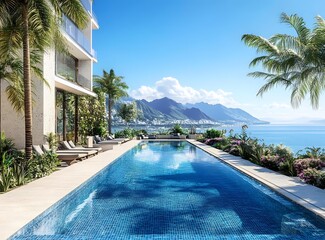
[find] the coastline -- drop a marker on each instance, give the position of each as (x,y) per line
(296,137)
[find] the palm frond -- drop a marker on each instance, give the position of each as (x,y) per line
(261,44)
(285,41)
(15,94)
(299,25)
(73,9)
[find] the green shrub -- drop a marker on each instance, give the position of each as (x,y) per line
(19,169)
(214,133)
(52,140)
(280,150)
(7,145)
(126,133)
(41,166)
(6,176)
(177,128)
(221,143)
(251,150)
(312,152)
(287,167)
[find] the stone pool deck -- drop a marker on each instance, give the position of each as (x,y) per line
(308,196)
(21,205)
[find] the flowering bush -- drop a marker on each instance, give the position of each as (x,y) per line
(213,141)
(275,157)
(234,150)
(313,177)
(272,162)
(302,164)
(235,142)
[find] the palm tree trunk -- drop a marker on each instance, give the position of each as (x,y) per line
(27,85)
(0,120)
(110,102)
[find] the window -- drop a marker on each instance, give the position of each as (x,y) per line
(66,66)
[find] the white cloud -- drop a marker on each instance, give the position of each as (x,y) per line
(170,87)
(276,105)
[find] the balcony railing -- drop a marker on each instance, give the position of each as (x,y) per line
(94,53)
(94,17)
(84,81)
(76,34)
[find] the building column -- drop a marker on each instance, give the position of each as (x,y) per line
(76,118)
(64,118)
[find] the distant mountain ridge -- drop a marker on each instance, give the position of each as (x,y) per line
(168,111)
(177,111)
(221,113)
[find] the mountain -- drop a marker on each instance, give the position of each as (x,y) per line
(176,110)
(220,113)
(168,111)
(145,112)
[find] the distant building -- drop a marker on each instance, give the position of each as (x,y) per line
(68,76)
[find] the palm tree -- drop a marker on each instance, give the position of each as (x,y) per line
(295,62)
(37,27)
(114,87)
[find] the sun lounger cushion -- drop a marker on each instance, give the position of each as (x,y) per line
(71,144)
(38,149)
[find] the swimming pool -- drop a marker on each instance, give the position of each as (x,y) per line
(173,190)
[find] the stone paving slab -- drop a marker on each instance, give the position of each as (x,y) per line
(306,195)
(21,205)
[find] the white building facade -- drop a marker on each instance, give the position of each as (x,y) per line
(67,75)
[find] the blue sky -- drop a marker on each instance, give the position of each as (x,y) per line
(191,50)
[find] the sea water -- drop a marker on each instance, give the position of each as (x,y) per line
(295,137)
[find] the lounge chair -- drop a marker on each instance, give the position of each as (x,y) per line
(68,149)
(68,158)
(100,141)
(142,136)
(73,147)
(85,154)
(123,140)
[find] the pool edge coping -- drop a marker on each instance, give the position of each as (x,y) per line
(250,169)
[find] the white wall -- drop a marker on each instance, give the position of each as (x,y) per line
(13,123)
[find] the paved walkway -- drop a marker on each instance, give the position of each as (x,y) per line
(308,196)
(21,205)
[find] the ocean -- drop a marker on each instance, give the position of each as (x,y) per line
(293,136)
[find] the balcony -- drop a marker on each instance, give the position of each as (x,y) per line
(94,54)
(76,34)
(95,17)
(84,82)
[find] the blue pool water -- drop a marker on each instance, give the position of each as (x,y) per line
(173,190)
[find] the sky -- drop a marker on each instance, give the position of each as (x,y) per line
(191,51)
